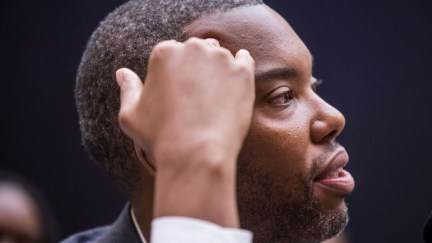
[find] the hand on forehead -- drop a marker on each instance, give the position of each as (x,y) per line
(270,42)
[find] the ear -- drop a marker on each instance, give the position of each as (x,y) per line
(147,163)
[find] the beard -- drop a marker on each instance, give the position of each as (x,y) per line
(277,213)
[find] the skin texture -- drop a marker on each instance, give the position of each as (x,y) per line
(292,134)
(204,153)
(290,137)
(19,220)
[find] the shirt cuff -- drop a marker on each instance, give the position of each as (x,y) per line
(189,230)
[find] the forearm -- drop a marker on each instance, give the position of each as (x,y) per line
(202,187)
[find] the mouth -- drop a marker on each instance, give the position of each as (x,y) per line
(334,178)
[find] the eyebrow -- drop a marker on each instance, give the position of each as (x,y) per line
(277,73)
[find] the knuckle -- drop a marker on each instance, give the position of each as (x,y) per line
(125,118)
(163,49)
(222,53)
(193,40)
(195,43)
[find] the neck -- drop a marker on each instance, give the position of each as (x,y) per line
(142,205)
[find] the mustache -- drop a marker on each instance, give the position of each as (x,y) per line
(319,160)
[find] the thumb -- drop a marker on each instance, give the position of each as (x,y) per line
(130,91)
(130,85)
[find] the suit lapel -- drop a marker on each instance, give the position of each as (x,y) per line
(123,229)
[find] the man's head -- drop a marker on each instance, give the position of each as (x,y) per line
(290,185)
(19,216)
(125,39)
(24,214)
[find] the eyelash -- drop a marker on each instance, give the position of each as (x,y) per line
(316,84)
(286,95)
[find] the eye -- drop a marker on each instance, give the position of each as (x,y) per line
(315,83)
(281,97)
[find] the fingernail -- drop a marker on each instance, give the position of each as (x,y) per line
(242,53)
(213,42)
(120,76)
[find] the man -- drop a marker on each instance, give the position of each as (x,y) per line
(24,213)
(227,129)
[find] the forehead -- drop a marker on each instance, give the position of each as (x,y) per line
(259,29)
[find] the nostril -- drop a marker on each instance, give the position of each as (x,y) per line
(327,126)
(330,136)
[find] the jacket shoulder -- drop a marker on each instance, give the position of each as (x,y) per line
(88,236)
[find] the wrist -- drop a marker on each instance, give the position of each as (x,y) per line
(213,154)
(201,185)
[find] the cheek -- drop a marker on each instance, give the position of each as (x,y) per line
(276,147)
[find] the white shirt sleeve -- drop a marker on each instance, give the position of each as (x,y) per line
(189,230)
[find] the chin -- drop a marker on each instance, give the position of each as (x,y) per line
(281,220)
(328,202)
(289,209)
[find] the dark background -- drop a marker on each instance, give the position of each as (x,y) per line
(374,57)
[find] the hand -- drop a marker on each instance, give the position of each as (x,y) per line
(191,117)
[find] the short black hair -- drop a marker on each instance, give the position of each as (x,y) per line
(125,39)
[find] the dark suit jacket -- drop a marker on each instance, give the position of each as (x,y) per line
(122,230)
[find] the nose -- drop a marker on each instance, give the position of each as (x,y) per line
(327,123)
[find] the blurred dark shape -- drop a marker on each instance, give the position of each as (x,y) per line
(427,233)
(25,216)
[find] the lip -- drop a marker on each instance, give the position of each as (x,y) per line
(341,185)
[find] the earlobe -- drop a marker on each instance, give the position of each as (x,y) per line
(147,163)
